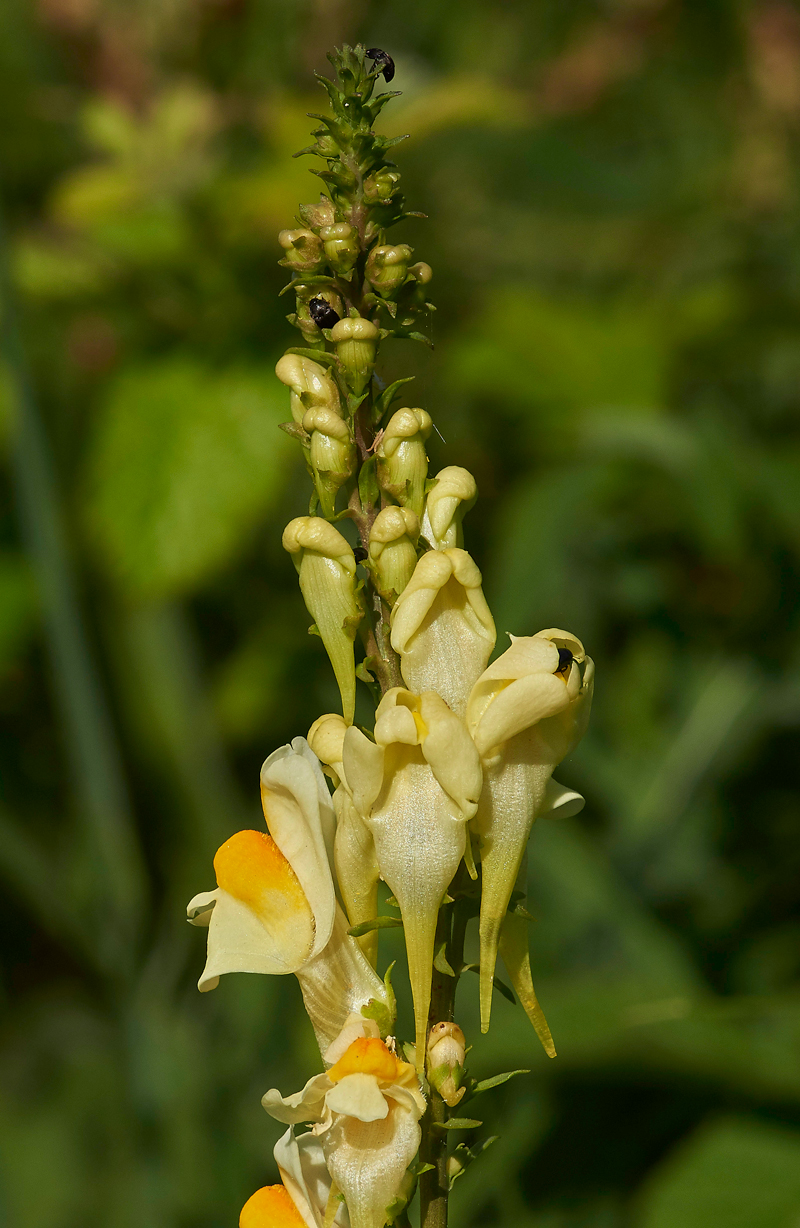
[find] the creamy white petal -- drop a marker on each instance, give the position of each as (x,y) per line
(299,815)
(368,1161)
(442,627)
(358,1095)
(239,942)
(357,869)
(560,802)
(338,983)
(305,1105)
(363,768)
(520,704)
(355,1028)
(199,909)
(450,752)
(301,1163)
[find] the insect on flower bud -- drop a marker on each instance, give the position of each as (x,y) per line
(383,62)
(303,250)
(322,313)
(340,242)
(387,268)
(356,341)
(446,1052)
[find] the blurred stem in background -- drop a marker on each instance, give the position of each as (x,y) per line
(104,806)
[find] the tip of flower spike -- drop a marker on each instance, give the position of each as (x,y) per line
(271,1207)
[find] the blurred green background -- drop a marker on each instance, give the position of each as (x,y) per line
(614,228)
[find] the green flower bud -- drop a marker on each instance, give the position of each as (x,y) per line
(310,383)
(402,459)
(379,186)
(332,453)
(446,1053)
(342,249)
(387,268)
(392,550)
(303,250)
(356,342)
(327,570)
(318,215)
(421,272)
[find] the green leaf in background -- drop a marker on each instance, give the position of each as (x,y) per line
(734,1172)
(184,462)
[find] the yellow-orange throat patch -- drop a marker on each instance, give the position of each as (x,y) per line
(271,1207)
(252,868)
(368,1055)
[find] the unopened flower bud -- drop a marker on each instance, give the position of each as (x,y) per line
(446,1051)
(340,242)
(421,272)
(453,494)
(402,459)
(332,453)
(320,214)
(356,342)
(303,250)
(327,569)
(392,549)
(310,383)
(379,186)
(387,268)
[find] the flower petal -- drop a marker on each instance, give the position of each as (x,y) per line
(451,753)
(356,869)
(355,1028)
(442,627)
(368,1161)
(301,1164)
(358,1095)
(337,983)
(273,1207)
(560,802)
(305,1105)
(199,909)
(516,957)
(299,814)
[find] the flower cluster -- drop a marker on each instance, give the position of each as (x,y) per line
(437,797)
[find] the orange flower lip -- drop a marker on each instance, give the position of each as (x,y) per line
(368,1055)
(271,1207)
(250,864)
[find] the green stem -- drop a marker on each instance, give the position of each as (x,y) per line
(434,1184)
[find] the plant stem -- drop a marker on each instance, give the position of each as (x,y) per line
(434,1184)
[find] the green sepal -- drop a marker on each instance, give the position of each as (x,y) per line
(375,923)
(440,961)
(384,401)
(296,431)
(314,630)
(464,1156)
(384,1013)
(368,489)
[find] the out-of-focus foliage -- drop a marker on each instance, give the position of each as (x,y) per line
(614,227)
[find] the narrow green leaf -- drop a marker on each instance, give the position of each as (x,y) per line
(486,1085)
(387,396)
(458,1123)
(440,961)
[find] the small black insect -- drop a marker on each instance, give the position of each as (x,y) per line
(565,659)
(322,313)
(360,554)
(383,62)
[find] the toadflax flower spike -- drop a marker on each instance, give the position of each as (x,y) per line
(526,712)
(274,909)
(416,787)
(442,627)
(366,1112)
(327,569)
